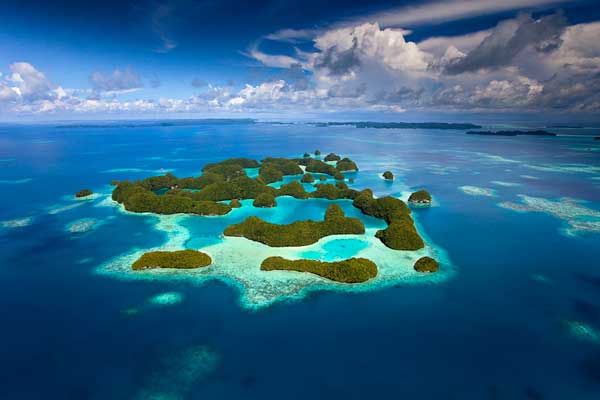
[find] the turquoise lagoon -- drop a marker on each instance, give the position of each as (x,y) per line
(513,313)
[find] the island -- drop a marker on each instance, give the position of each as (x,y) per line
(265,200)
(317,152)
(426,265)
(307,178)
(353,270)
(512,133)
(387,175)
(402,125)
(420,197)
(332,157)
(401,233)
(299,233)
(181,259)
(597,138)
(223,184)
(346,164)
(83,193)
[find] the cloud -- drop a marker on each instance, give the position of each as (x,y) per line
(275,61)
(348,47)
(521,65)
(509,39)
(449,10)
(159,18)
(199,83)
(116,81)
(29,83)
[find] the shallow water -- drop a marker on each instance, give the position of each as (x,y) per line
(515,312)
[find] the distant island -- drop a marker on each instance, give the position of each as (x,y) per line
(597,138)
(512,133)
(401,125)
(157,123)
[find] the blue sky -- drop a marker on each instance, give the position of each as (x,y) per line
(299,59)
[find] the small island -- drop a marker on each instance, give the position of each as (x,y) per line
(346,164)
(317,152)
(426,265)
(332,157)
(401,233)
(83,193)
(307,178)
(235,203)
(181,259)
(420,197)
(265,200)
(512,133)
(387,175)
(299,233)
(353,270)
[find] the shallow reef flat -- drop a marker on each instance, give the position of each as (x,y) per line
(17,222)
(177,371)
(236,261)
(166,299)
(578,217)
(136,170)
(82,225)
(477,191)
(582,331)
(506,184)
(566,168)
(15,181)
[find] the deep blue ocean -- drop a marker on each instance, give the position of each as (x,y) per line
(518,317)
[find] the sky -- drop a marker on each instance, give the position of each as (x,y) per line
(300,59)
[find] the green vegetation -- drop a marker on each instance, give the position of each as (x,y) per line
(353,270)
(182,259)
(346,164)
(388,175)
(420,197)
(317,152)
(114,182)
(401,233)
(333,192)
(136,198)
(322,178)
(426,264)
(323,168)
(332,157)
(294,189)
(299,233)
(308,178)
(269,173)
(264,200)
(273,169)
(285,165)
(235,203)
(84,193)
(306,155)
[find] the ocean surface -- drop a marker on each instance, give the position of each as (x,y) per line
(514,312)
